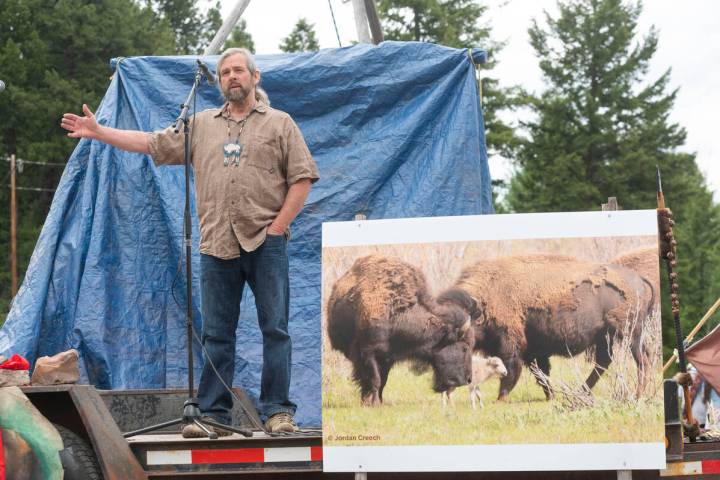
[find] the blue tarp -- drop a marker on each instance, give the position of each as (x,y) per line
(396,130)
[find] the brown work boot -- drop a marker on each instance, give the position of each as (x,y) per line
(191,430)
(281,422)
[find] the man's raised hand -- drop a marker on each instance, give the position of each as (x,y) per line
(87,127)
(80,127)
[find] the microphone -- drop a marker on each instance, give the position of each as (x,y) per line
(2,85)
(206,71)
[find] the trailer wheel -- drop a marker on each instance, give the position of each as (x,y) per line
(78,458)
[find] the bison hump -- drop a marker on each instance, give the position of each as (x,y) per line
(644,262)
(379,288)
(509,287)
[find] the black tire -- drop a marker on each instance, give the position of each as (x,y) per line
(78,458)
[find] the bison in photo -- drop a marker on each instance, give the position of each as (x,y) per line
(534,306)
(645,262)
(380,312)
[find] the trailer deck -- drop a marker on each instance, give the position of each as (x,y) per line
(100,416)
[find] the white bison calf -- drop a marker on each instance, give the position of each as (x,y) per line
(483,368)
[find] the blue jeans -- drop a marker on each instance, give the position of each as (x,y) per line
(221,286)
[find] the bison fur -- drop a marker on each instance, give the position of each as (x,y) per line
(532,307)
(380,313)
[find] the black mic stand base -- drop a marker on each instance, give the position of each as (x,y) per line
(191,414)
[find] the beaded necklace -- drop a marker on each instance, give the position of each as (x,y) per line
(233,150)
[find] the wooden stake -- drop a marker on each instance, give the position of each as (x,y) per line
(665,224)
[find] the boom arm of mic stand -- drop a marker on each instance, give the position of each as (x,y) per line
(185,107)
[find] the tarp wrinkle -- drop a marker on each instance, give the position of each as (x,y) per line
(396,130)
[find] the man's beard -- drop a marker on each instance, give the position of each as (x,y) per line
(237,95)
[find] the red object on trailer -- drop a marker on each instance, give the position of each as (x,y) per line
(16,362)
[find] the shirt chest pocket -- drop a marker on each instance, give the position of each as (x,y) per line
(264,157)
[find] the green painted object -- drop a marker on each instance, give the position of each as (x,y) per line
(19,415)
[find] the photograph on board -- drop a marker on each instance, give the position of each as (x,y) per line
(532,339)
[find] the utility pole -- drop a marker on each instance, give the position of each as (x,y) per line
(374,21)
(366,15)
(226,28)
(361,21)
(13,227)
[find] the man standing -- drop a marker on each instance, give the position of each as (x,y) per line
(253,173)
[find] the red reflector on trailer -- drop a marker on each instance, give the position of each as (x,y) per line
(315,454)
(238,455)
(710,466)
(234,455)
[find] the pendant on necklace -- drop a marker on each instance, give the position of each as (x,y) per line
(231,153)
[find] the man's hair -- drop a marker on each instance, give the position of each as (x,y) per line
(260,94)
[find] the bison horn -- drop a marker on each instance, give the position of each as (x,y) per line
(466,325)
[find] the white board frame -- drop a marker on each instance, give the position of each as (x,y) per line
(519,457)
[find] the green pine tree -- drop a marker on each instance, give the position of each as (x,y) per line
(601,127)
(211,23)
(54,57)
(453,23)
(301,39)
(240,37)
(193,30)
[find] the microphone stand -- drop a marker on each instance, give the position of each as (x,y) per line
(191,407)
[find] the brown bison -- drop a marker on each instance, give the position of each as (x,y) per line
(535,306)
(380,312)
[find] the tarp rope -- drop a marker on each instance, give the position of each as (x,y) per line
(477,74)
(332,14)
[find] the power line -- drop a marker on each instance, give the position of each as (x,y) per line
(34,189)
(30,162)
(19,167)
(332,14)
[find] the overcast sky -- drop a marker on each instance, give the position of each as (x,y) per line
(689,43)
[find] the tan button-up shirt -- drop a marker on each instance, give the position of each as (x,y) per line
(236,204)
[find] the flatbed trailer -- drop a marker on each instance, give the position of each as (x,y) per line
(100,417)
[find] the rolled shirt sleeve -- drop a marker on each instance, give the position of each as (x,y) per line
(300,163)
(167,147)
